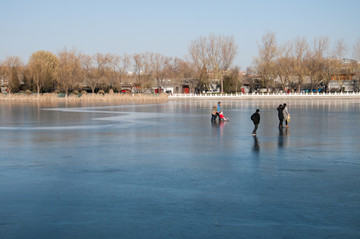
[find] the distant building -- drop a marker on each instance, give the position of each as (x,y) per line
(344,82)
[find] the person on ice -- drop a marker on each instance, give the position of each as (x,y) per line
(280,110)
(256,120)
(222,117)
(219,107)
(286,115)
(214,113)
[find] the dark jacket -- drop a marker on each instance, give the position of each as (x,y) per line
(255,118)
(280,110)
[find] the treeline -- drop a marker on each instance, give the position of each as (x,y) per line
(297,64)
(70,70)
(209,58)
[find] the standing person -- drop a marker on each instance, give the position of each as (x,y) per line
(214,113)
(286,115)
(256,120)
(280,110)
(218,109)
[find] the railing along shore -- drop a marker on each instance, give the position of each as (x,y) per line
(263,95)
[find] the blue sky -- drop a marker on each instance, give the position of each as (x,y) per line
(168,27)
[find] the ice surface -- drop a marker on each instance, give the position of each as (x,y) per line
(165,171)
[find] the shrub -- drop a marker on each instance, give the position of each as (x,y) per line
(83,92)
(101,92)
(56,91)
(75,92)
(28,92)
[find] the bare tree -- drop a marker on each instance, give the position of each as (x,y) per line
(95,68)
(300,49)
(12,68)
(183,69)
(198,51)
(69,69)
(215,54)
(338,54)
(329,71)
(222,51)
(265,63)
(118,69)
(320,54)
(284,64)
(325,60)
(42,67)
(142,70)
(159,67)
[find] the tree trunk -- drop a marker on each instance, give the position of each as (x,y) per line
(37,84)
(38,89)
(222,85)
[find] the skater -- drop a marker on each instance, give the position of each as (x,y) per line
(286,115)
(280,110)
(256,120)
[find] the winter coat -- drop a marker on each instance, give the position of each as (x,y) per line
(214,110)
(285,113)
(255,118)
(280,110)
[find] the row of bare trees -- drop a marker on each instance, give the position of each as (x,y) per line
(210,57)
(70,70)
(297,63)
(289,65)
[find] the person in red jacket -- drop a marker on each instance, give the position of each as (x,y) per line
(222,117)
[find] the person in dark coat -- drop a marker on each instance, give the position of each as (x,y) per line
(280,110)
(256,120)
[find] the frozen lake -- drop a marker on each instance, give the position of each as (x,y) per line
(165,171)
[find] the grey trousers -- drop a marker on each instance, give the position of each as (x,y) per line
(255,128)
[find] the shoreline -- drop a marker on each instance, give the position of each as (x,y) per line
(50,97)
(335,96)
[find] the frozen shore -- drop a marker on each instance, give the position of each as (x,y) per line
(76,98)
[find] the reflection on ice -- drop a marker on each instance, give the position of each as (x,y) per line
(124,119)
(113,168)
(79,127)
(256,146)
